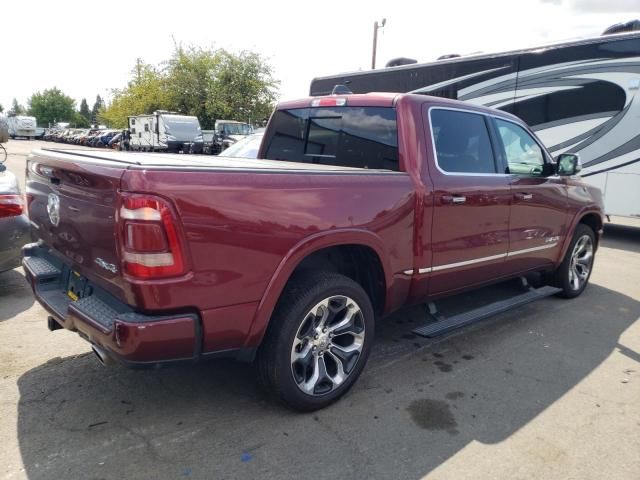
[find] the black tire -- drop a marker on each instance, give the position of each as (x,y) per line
(562,277)
(274,361)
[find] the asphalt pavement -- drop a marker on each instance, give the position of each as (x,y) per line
(548,391)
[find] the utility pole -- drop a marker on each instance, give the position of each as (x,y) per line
(138,69)
(375,41)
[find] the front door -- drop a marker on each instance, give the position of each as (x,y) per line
(539,212)
(470,229)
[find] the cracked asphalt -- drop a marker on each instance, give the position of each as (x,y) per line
(548,391)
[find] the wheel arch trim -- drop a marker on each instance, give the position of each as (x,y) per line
(577,218)
(296,255)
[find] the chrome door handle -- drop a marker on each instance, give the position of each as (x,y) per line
(524,196)
(455,199)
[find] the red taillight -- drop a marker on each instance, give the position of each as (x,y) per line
(151,245)
(329,102)
(11,205)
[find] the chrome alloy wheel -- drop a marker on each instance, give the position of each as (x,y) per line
(581,262)
(327,345)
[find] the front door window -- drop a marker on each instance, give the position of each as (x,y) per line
(524,155)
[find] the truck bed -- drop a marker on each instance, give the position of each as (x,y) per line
(239,218)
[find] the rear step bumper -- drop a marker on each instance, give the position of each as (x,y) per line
(113,328)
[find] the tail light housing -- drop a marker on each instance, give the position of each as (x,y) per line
(150,244)
(11,205)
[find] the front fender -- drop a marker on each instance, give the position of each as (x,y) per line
(293,258)
(587,210)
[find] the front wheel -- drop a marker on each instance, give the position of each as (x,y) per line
(318,340)
(573,273)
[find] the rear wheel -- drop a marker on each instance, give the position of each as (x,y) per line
(318,340)
(573,274)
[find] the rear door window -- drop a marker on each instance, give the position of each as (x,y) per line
(356,137)
(462,142)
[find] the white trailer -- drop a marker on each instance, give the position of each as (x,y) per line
(165,132)
(21,126)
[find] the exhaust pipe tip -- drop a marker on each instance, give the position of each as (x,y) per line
(52,324)
(102,356)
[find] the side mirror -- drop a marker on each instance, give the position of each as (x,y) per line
(2,168)
(568,164)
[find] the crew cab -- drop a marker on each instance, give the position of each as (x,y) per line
(356,206)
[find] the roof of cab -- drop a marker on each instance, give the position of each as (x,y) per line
(459,104)
(386,99)
(353,100)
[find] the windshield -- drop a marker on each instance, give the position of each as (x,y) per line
(182,128)
(246,148)
(237,129)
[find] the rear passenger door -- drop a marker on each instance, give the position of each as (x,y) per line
(470,230)
(539,204)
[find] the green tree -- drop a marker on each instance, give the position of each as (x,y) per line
(244,87)
(210,84)
(1,108)
(215,84)
(145,93)
(80,121)
(84,110)
(97,106)
(51,105)
(16,108)
(189,82)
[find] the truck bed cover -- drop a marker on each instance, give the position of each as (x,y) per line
(176,160)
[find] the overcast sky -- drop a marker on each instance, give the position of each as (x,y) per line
(88,48)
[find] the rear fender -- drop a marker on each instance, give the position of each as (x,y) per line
(293,258)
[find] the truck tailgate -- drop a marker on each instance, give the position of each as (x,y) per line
(72,208)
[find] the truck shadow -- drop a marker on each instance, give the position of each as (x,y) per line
(621,237)
(418,403)
(15,294)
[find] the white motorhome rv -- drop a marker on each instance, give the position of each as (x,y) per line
(21,126)
(581,97)
(165,131)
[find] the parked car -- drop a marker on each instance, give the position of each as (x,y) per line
(247,147)
(14,225)
(356,206)
(103,138)
(225,134)
(114,143)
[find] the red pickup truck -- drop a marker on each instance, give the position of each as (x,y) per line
(357,205)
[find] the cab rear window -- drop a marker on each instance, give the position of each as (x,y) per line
(357,137)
